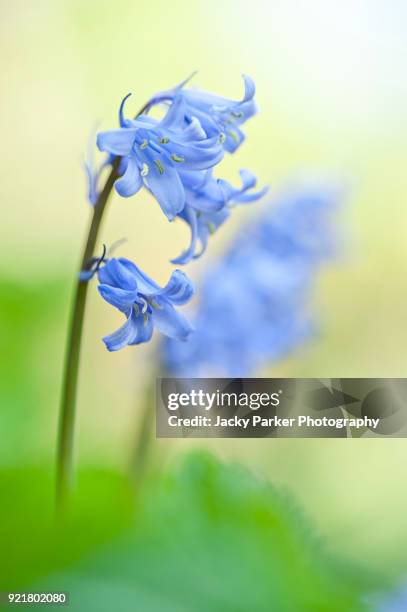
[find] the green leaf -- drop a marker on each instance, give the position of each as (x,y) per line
(34,544)
(30,364)
(211,537)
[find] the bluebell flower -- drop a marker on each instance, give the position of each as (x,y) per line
(217,115)
(92,176)
(145,305)
(208,204)
(255,303)
(159,155)
(153,153)
(93,173)
(395,602)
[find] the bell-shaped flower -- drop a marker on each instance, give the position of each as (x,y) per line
(216,114)
(144,303)
(153,153)
(222,115)
(255,302)
(208,204)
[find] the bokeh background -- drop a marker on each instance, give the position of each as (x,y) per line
(332,93)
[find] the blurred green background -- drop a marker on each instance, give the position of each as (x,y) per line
(333,98)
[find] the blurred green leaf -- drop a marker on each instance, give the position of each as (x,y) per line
(34,543)
(206,537)
(30,361)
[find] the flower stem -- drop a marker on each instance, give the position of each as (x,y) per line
(67,414)
(141,448)
(71,368)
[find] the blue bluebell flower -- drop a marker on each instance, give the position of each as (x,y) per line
(144,303)
(197,128)
(92,176)
(93,173)
(395,602)
(255,303)
(208,205)
(153,153)
(217,115)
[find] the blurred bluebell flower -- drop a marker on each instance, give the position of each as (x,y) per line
(255,303)
(93,172)
(208,204)
(395,602)
(144,303)
(92,176)
(153,153)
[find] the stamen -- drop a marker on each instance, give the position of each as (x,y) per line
(137,309)
(211,227)
(144,144)
(238,115)
(234,135)
(222,137)
(177,158)
(156,305)
(159,166)
(164,140)
(144,170)
(145,319)
(145,306)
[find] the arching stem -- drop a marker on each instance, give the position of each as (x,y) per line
(71,368)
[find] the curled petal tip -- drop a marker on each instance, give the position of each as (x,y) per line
(249,87)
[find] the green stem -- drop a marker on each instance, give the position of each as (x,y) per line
(144,436)
(68,403)
(70,382)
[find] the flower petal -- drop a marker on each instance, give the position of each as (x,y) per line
(179,288)
(208,224)
(145,284)
(123,336)
(210,127)
(175,117)
(189,215)
(171,323)
(119,298)
(119,142)
(166,186)
(249,179)
(199,156)
(131,181)
(233,194)
(193,131)
(249,88)
(116,273)
(144,330)
(234,138)
(251,197)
